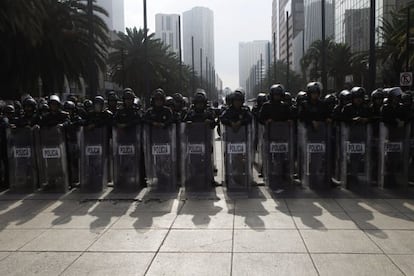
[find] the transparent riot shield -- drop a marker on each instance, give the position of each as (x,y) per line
(278,155)
(411,156)
(74,154)
(237,158)
(94,159)
(196,153)
(258,148)
(355,156)
(21,153)
(315,149)
(127,157)
(394,153)
(53,159)
(375,152)
(160,158)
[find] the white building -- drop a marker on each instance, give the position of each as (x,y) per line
(116,14)
(254,59)
(167,29)
(198,23)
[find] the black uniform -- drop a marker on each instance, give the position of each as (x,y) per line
(276,111)
(161,114)
(127,116)
(351,111)
(54,118)
(313,111)
(200,116)
(233,115)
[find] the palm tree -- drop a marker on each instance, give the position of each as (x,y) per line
(54,47)
(127,63)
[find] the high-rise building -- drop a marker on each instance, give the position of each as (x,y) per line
(352,20)
(167,29)
(291,12)
(116,15)
(198,24)
(313,21)
(254,59)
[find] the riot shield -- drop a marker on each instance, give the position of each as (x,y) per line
(278,155)
(355,156)
(258,145)
(375,152)
(411,156)
(53,159)
(237,158)
(161,158)
(394,153)
(127,157)
(94,159)
(315,149)
(21,153)
(74,153)
(196,153)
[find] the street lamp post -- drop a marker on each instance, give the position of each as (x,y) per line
(324,76)
(146,73)
(372,59)
(91,63)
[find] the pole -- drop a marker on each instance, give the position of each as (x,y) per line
(287,51)
(201,67)
(324,76)
(192,64)
(146,73)
(372,59)
(92,71)
(407,65)
(123,66)
(207,74)
(261,72)
(180,54)
(274,57)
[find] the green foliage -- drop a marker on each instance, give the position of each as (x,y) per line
(127,64)
(47,41)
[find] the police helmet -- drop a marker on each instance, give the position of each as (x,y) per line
(358,92)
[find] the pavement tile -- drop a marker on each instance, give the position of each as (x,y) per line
(207,206)
(259,220)
(374,221)
(402,205)
(260,205)
(323,221)
(204,220)
(198,240)
(272,264)
(88,221)
(154,220)
(36,263)
(354,264)
(393,241)
(23,207)
(191,264)
(365,205)
(13,239)
(167,206)
(283,241)
(110,264)
(35,221)
(129,240)
(3,255)
(338,241)
(62,207)
(313,205)
(62,240)
(404,262)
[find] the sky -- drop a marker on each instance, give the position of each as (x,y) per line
(234,21)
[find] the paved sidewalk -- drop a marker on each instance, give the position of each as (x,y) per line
(76,234)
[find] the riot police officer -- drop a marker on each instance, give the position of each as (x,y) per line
(7,120)
(275,110)
(314,110)
(237,114)
(158,114)
(260,100)
(55,116)
(128,115)
(393,112)
(357,111)
(113,101)
(30,117)
(199,111)
(377,100)
(344,98)
(99,117)
(179,106)
(331,101)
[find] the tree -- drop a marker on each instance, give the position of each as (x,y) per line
(296,82)
(338,62)
(127,64)
(392,52)
(53,48)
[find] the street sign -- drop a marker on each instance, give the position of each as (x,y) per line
(406,79)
